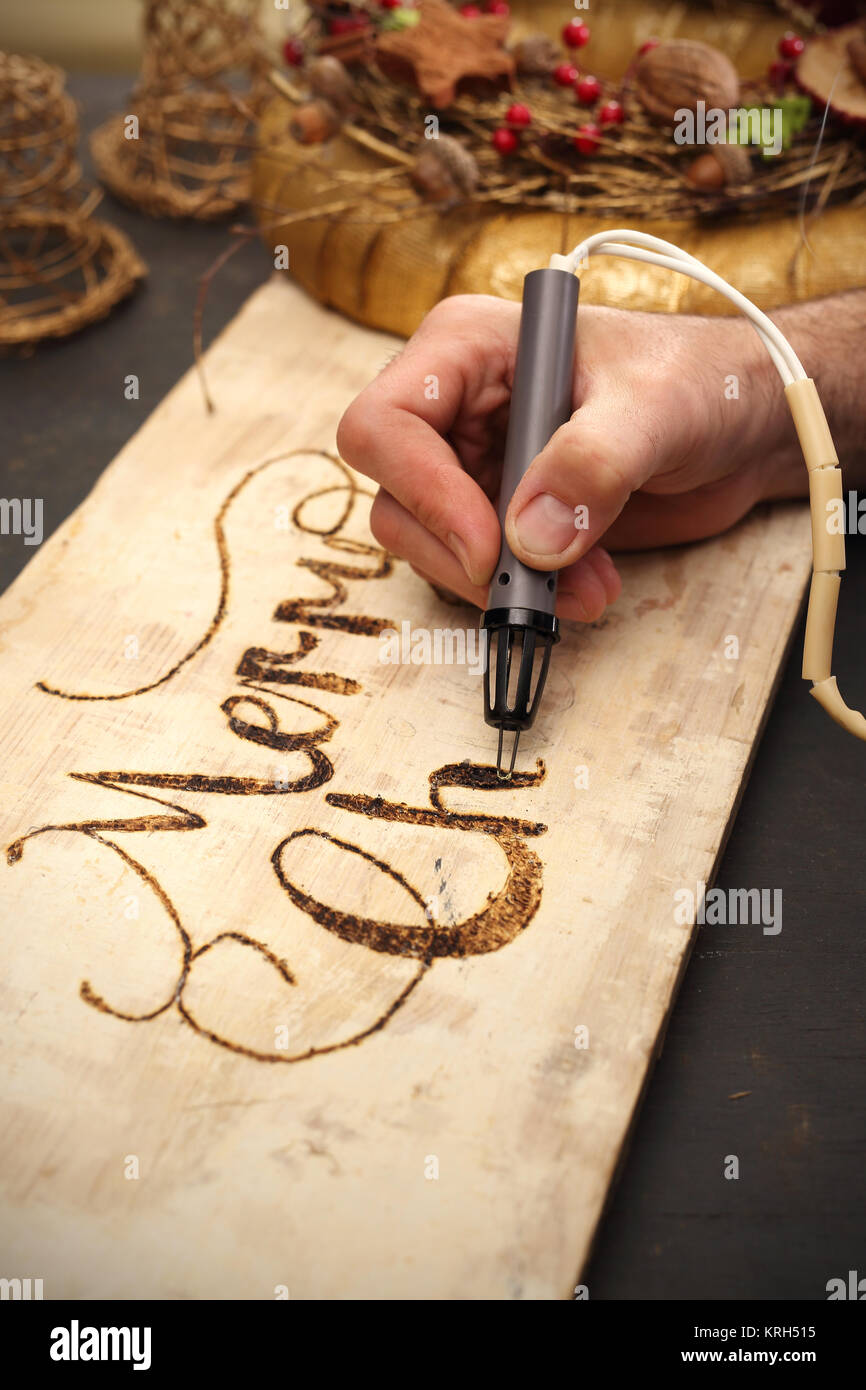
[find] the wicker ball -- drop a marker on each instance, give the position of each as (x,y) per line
(202,83)
(38,132)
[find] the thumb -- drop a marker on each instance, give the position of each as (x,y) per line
(577,486)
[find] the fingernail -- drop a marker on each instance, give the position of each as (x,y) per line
(456,544)
(545,526)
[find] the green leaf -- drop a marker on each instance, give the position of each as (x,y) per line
(401,19)
(795,112)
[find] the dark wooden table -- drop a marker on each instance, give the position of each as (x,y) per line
(778,1018)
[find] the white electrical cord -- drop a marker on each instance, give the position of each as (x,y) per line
(825,479)
(639,246)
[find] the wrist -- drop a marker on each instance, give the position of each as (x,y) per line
(762,435)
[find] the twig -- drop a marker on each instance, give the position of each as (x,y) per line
(242,236)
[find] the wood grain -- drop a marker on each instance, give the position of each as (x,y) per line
(333,991)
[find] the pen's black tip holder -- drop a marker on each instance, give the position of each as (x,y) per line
(519,641)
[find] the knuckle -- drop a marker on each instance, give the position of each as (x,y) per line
(354,432)
(433,504)
(446,314)
(591,467)
(384,522)
(611,486)
(458,310)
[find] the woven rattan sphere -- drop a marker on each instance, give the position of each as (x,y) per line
(202,84)
(38,132)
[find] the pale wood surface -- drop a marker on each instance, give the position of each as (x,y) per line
(312,1173)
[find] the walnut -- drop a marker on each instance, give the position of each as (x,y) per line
(675,76)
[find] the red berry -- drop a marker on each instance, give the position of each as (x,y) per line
(498,7)
(293,52)
(791,46)
(518,114)
(565,74)
(648,44)
(587,138)
(588,90)
(470,11)
(346,24)
(504,140)
(575,34)
(611,113)
(391,4)
(779,73)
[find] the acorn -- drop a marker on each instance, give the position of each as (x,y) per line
(536,55)
(314,122)
(675,76)
(329,79)
(723,166)
(444,170)
(432,178)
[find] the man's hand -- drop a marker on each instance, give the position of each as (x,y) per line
(679,428)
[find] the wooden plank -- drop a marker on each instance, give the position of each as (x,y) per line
(291,978)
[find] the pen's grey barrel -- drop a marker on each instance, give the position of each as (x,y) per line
(520,621)
(540,402)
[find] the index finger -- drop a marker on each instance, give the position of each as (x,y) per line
(455,368)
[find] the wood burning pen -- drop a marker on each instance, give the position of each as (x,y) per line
(519,621)
(521,600)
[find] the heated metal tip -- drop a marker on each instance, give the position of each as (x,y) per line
(506,776)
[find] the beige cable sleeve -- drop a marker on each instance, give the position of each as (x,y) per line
(828,551)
